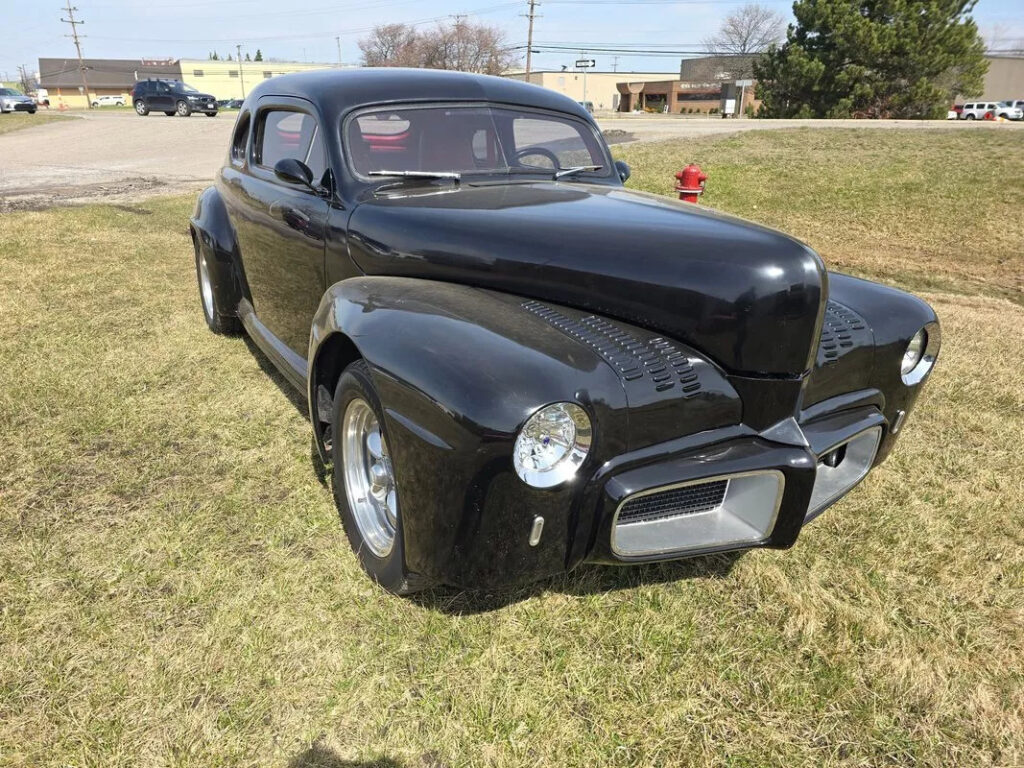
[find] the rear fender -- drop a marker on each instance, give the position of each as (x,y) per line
(213,233)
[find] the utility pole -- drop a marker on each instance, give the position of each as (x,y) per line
(529,37)
(615,63)
(241,74)
(337,39)
(78,47)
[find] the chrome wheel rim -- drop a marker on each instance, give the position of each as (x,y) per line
(140,107)
(369,477)
(182,107)
(205,287)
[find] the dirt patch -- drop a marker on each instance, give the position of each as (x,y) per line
(117,192)
(617,136)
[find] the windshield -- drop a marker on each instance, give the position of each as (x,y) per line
(8,92)
(187,88)
(471,139)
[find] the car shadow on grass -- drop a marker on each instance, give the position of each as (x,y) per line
(294,397)
(585,580)
(318,756)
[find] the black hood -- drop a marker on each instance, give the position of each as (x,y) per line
(749,297)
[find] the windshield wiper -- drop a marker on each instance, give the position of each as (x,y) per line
(453,175)
(576,169)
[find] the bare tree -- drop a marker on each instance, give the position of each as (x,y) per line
(390,45)
(459,46)
(745,34)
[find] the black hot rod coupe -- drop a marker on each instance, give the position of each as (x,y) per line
(512,363)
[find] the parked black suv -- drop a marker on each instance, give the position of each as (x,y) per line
(171,97)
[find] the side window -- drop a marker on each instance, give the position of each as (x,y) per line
(290,134)
(549,137)
(240,139)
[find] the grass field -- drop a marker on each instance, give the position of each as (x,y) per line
(15,121)
(175,587)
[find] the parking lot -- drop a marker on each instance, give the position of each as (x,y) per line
(116,156)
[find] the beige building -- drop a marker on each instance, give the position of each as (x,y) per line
(62,78)
(599,88)
(1005,78)
(233,79)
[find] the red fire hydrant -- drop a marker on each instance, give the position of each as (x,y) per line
(690,183)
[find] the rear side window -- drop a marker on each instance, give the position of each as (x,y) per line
(240,139)
(290,134)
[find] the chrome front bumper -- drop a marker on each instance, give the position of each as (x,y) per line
(744,492)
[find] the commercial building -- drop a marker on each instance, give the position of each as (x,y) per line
(1005,78)
(233,79)
(62,78)
(599,88)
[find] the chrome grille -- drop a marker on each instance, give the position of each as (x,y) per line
(688,500)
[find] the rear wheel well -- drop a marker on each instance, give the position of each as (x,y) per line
(334,355)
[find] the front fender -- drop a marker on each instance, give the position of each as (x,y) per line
(458,371)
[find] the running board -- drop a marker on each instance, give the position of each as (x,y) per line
(291,365)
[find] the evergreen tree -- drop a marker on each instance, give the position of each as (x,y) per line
(259,55)
(214,56)
(873,58)
(247,57)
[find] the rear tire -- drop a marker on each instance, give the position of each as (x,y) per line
(213,298)
(362,497)
(172,113)
(970,117)
(141,109)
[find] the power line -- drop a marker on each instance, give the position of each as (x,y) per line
(78,47)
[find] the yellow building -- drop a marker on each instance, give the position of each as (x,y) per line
(599,88)
(62,78)
(233,79)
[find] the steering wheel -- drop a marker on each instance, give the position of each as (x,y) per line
(543,152)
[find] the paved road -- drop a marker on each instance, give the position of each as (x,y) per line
(118,156)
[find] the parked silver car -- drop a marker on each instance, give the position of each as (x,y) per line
(15,101)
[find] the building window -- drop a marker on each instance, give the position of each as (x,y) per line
(197,73)
(267,75)
(233,73)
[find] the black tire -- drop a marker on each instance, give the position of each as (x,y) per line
(172,113)
(970,117)
(141,108)
(219,318)
(183,108)
(31,111)
(211,114)
(390,571)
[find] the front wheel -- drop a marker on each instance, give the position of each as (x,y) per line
(365,489)
(183,108)
(211,114)
(141,109)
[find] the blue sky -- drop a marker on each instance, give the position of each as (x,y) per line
(306,29)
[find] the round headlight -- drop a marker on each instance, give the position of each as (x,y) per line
(552,445)
(914,352)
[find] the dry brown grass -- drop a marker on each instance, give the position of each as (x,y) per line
(15,121)
(175,588)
